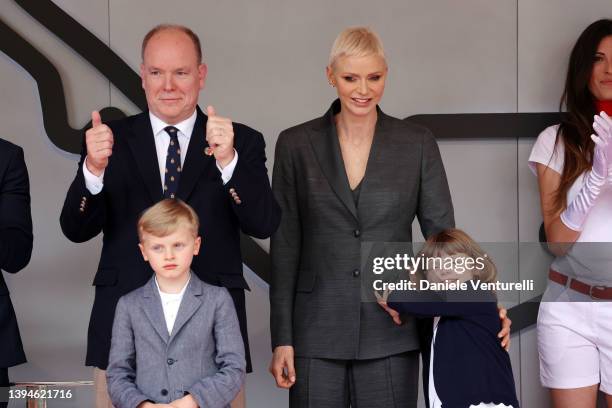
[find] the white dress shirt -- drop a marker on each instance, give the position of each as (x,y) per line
(171,303)
(94,184)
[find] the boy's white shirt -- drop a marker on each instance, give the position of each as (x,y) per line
(171,303)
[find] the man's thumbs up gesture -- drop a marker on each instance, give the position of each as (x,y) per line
(220,137)
(99,141)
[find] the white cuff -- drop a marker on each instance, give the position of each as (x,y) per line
(228,171)
(93,183)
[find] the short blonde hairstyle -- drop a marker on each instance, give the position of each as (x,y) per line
(356,42)
(164,218)
(454,241)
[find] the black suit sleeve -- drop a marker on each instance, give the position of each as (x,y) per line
(435,208)
(15,216)
(83,214)
(284,247)
(258,213)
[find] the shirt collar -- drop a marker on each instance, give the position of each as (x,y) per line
(178,295)
(185,127)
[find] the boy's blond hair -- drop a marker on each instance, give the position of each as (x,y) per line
(356,42)
(455,241)
(164,218)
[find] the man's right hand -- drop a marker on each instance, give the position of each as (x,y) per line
(281,366)
(99,141)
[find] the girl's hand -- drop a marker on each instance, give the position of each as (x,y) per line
(382,301)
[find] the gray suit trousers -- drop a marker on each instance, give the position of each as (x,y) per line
(390,382)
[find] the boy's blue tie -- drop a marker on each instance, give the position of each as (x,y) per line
(173,164)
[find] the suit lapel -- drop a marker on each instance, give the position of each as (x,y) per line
(324,140)
(196,162)
(152,307)
(142,145)
(380,144)
(189,305)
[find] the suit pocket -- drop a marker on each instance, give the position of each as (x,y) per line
(105,277)
(306,281)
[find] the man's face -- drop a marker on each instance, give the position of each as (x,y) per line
(172,76)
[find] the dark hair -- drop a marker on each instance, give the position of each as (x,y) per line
(576,127)
(162,27)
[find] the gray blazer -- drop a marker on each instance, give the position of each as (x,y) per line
(204,356)
(315,291)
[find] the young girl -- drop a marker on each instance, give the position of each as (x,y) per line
(470,367)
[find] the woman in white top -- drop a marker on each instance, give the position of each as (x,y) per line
(574,170)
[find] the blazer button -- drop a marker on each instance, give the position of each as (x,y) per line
(356,273)
(164,392)
(357,233)
(170,361)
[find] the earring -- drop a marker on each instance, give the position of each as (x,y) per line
(332,84)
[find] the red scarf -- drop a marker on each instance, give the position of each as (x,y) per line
(605,106)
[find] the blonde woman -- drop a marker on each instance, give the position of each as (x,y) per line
(355,174)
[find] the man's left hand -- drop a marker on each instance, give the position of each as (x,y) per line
(504,334)
(220,137)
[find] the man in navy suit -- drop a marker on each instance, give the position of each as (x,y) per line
(15,249)
(173,150)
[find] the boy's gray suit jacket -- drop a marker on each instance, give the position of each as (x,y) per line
(204,356)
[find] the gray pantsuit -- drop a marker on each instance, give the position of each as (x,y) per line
(315,291)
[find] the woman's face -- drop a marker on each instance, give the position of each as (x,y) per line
(360,82)
(600,83)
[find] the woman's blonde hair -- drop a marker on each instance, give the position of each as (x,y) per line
(164,218)
(356,42)
(455,241)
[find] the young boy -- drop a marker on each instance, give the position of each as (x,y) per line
(176,342)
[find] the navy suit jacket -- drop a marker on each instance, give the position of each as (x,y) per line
(15,243)
(132,184)
(470,366)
